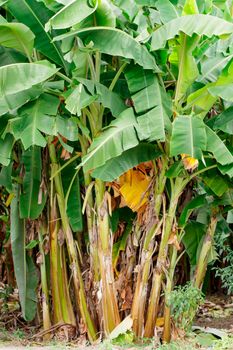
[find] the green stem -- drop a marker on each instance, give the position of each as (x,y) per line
(204,254)
(91,222)
(201,172)
(64,77)
(117,76)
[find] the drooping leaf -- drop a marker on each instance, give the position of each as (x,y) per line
(31,205)
(216,146)
(71,14)
(191,24)
(212,67)
(115,167)
(194,233)
(16,78)
(195,203)
(18,248)
(17,36)
(227,198)
(25,271)
(226,169)
(188,136)
(74,205)
(224,121)
(5,177)
(14,101)
(112,142)
(31,283)
(114,42)
(217,183)
(34,15)
(6,146)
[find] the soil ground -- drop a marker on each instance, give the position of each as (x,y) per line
(214,316)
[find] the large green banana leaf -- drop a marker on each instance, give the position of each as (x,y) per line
(115,167)
(25,271)
(114,42)
(31,200)
(188,136)
(17,36)
(34,118)
(18,77)
(149,94)
(191,24)
(35,15)
(117,138)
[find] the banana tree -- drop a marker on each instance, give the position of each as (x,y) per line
(142,94)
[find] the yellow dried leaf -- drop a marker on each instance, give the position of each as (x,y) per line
(134,188)
(189,162)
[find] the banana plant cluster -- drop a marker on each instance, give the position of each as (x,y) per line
(96,95)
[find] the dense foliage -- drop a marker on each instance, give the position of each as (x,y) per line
(116,158)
